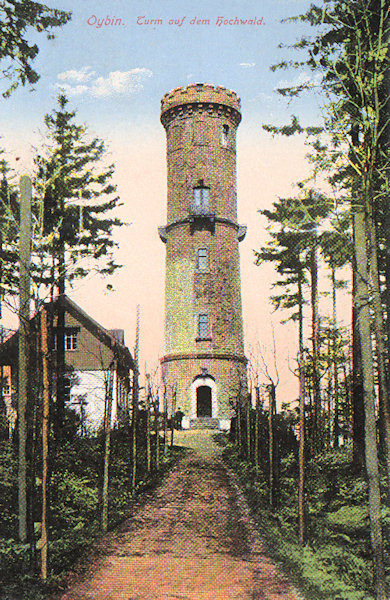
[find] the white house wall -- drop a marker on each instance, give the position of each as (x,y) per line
(91,384)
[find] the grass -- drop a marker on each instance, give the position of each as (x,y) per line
(335,563)
(74,523)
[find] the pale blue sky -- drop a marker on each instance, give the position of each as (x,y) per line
(145,61)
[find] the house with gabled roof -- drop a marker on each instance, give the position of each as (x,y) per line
(95,358)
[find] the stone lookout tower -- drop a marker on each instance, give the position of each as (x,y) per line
(204,367)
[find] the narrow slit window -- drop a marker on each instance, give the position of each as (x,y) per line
(203,260)
(204,327)
(225,135)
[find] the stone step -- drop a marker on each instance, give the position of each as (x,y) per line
(204,423)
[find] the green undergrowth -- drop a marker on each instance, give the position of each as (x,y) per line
(335,563)
(75,509)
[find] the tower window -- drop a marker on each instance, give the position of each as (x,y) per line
(204,327)
(201,199)
(225,135)
(202,260)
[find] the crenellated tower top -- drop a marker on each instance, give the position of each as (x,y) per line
(202,96)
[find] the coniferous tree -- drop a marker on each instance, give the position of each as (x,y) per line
(295,245)
(9,230)
(16,52)
(285,250)
(336,249)
(78,196)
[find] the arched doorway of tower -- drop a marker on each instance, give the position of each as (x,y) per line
(203,396)
(203,401)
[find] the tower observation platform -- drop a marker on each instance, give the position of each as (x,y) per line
(204,368)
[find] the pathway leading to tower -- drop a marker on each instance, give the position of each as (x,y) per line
(192,539)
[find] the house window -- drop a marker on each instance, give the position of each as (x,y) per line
(204,327)
(6,388)
(71,340)
(202,199)
(202,260)
(225,135)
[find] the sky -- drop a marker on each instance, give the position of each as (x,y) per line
(115,60)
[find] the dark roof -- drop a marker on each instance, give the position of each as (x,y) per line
(9,349)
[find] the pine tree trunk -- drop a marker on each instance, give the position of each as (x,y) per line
(315,347)
(329,395)
(379,328)
(60,351)
(336,422)
(358,416)
(364,326)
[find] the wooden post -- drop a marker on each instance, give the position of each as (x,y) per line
(45,441)
(135,403)
(24,317)
(257,389)
(173,416)
(302,433)
(148,432)
(248,427)
(239,426)
(271,444)
(107,445)
(165,417)
(157,430)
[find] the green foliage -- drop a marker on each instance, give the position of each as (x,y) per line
(9,227)
(8,491)
(17,17)
(74,506)
(76,500)
(349,517)
(76,200)
(336,562)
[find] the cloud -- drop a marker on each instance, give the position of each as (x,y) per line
(120,83)
(301,79)
(262,97)
(247,65)
(117,83)
(81,76)
(73,90)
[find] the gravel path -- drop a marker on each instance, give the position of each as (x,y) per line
(193,539)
